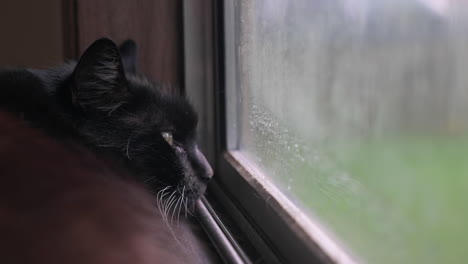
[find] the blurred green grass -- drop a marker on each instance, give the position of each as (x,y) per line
(400,200)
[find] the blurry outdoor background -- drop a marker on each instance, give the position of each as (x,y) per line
(358,111)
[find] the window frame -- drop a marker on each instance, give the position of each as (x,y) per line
(241,213)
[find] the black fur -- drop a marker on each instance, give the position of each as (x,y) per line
(101,102)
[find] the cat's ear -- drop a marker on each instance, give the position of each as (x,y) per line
(99,80)
(128,51)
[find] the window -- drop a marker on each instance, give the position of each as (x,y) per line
(342,128)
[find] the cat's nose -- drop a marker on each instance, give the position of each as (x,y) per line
(208,175)
(206,172)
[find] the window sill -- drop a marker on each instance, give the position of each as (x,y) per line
(278,219)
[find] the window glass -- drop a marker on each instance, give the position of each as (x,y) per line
(358,111)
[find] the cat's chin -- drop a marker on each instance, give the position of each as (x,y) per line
(179,196)
(192,194)
(195,195)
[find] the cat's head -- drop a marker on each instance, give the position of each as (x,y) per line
(151,129)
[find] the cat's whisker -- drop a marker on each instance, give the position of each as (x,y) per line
(175,209)
(168,206)
(192,204)
(163,192)
(128,146)
(180,206)
(167,188)
(192,207)
(191,210)
(149,179)
(183,201)
(164,206)
(159,199)
(171,207)
(187,208)
(153,179)
(172,230)
(185,205)
(164,210)
(163,203)
(171,210)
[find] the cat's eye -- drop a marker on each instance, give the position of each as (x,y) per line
(168,137)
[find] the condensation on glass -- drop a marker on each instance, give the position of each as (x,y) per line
(358,111)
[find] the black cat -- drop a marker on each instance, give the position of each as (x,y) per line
(101,102)
(61,203)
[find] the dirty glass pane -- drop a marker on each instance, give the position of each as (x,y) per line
(358,111)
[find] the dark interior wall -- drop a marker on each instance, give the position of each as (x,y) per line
(155,25)
(39,33)
(31,33)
